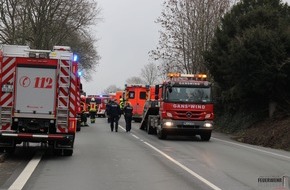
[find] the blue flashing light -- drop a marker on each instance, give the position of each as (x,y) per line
(75,57)
(79,73)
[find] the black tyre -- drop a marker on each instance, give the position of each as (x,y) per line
(161,134)
(205,136)
(78,127)
(57,152)
(10,150)
(68,152)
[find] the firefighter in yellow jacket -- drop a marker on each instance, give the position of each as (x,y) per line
(122,104)
(93,110)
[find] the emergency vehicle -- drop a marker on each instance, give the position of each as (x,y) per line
(112,96)
(38,98)
(137,94)
(182,106)
(102,101)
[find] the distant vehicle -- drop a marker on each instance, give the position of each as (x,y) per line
(137,94)
(112,96)
(182,106)
(102,101)
(39,96)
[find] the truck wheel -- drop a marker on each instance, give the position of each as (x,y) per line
(78,127)
(67,152)
(161,134)
(10,150)
(205,136)
(57,152)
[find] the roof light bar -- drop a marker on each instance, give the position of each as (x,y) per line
(61,48)
(179,75)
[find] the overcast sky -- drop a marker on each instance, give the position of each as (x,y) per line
(125,36)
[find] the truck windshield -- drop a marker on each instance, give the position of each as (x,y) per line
(189,94)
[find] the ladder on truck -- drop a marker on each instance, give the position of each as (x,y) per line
(64,68)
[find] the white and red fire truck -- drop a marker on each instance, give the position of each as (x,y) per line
(39,97)
(183,106)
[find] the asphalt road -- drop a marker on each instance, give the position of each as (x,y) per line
(108,160)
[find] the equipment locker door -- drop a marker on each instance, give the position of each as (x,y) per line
(35,90)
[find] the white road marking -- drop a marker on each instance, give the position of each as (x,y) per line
(184,167)
(208,183)
(252,148)
(19,183)
(31,166)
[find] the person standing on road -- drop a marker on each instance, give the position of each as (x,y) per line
(128,113)
(114,112)
(93,110)
(121,104)
(107,111)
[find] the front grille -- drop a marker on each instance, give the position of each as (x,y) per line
(189,115)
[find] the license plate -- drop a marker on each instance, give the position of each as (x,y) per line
(188,123)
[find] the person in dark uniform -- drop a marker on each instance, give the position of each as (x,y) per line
(107,110)
(114,112)
(128,113)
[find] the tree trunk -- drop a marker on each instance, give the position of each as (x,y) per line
(272,108)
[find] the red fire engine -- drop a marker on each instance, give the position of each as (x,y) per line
(38,100)
(137,94)
(182,106)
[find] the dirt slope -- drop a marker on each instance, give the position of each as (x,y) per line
(269,133)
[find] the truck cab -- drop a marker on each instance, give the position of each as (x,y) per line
(183,106)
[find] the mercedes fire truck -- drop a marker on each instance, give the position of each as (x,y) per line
(182,106)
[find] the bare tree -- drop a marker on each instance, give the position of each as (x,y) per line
(187,29)
(150,73)
(43,24)
(111,89)
(135,80)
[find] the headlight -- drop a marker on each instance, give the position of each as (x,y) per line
(168,124)
(15,119)
(208,125)
(169,114)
